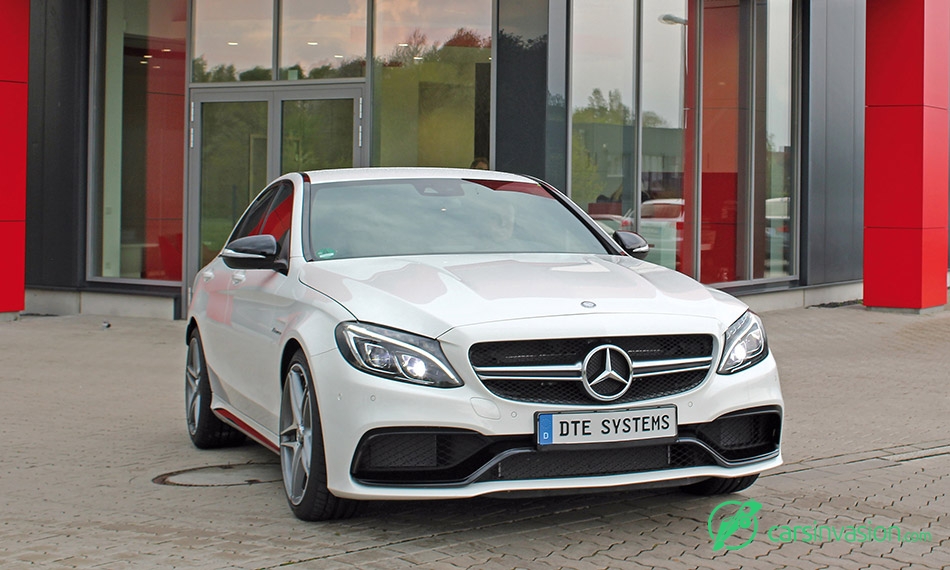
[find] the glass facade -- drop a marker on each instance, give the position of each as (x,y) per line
(137,212)
(432,94)
(674,118)
(524,92)
(775,182)
(725,140)
(603,114)
(699,153)
(667,119)
(322,40)
(233,40)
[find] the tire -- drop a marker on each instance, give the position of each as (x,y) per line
(303,463)
(721,486)
(206,430)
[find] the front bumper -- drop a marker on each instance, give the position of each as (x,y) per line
(456,458)
(391,440)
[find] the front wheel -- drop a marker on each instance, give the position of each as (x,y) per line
(721,486)
(302,457)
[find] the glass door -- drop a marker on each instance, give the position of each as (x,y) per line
(316,134)
(232,162)
(241,139)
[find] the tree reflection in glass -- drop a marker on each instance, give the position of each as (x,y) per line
(433,83)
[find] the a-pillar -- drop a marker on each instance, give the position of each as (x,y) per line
(906,154)
(14,57)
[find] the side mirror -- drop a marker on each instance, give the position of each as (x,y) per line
(633,243)
(253,252)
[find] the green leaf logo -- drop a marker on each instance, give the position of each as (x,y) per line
(733,520)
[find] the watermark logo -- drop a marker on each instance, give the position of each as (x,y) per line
(733,524)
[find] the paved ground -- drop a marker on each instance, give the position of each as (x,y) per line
(89,416)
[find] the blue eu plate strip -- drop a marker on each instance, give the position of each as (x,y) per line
(545,429)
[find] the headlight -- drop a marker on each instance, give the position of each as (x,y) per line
(396,355)
(745,344)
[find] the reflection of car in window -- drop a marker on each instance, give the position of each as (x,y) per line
(395,348)
(661,224)
(610,222)
(778,235)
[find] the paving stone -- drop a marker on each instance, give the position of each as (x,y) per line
(99,509)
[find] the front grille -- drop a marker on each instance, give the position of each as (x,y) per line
(441,456)
(593,462)
(573,350)
(573,393)
(552,371)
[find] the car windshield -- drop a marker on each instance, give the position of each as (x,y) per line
(437,216)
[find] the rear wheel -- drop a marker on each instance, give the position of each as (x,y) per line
(204,428)
(302,457)
(721,486)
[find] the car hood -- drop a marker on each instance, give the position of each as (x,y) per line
(432,294)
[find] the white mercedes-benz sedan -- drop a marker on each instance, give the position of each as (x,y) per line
(434,333)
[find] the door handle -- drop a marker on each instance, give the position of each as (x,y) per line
(207,275)
(238,278)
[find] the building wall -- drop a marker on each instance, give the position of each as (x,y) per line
(833,158)
(56,153)
(14,28)
(833,52)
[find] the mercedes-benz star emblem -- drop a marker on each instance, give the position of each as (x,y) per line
(607,372)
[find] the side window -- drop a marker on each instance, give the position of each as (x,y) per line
(277,222)
(252,220)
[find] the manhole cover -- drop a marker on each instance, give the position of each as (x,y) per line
(222,475)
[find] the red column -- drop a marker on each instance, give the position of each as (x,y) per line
(15,31)
(906,154)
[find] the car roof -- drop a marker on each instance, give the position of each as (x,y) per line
(384,173)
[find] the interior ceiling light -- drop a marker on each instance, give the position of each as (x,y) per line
(232,43)
(313,43)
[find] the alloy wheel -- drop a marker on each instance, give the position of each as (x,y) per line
(296,433)
(193,373)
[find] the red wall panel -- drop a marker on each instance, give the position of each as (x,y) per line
(906,154)
(904,281)
(15,31)
(895,45)
(13,236)
(13,101)
(934,174)
(14,58)
(936,44)
(893,171)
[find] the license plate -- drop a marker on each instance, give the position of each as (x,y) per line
(607,426)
